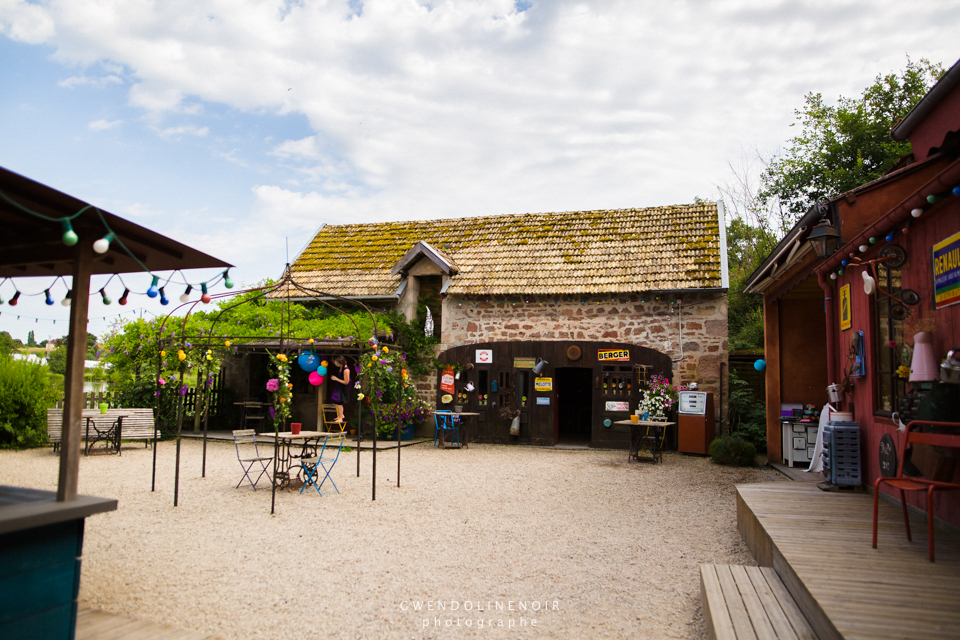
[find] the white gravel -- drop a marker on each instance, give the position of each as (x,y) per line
(591,545)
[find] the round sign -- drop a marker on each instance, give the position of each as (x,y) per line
(573,352)
(888,457)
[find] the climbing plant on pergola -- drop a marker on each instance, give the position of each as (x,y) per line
(287,341)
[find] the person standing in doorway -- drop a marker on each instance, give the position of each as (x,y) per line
(340,394)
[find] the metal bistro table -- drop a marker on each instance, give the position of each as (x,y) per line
(109,432)
(288,441)
(464,440)
(646,436)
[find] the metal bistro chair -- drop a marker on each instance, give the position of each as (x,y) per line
(445,422)
(254,416)
(249,436)
(325,460)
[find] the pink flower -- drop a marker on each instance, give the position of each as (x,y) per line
(162,381)
(892,344)
(273,384)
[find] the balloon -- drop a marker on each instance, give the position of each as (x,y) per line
(322,370)
(308,361)
(315,378)
(760,365)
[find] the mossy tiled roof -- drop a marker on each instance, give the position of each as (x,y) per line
(610,251)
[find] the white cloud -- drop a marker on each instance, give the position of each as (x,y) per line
(99,82)
(469,108)
(103,125)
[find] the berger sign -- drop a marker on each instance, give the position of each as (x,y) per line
(946,272)
(613,355)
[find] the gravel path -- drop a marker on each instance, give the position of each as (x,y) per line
(592,546)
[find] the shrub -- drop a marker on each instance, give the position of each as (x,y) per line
(26,392)
(733,451)
(748,416)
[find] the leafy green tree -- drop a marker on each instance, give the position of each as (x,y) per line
(31,340)
(848,144)
(57,360)
(7,344)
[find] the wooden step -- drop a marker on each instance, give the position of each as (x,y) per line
(749,603)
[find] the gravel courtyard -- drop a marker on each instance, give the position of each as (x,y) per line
(578,542)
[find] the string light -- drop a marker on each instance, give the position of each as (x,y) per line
(186,294)
(103,244)
(152,291)
(123,298)
(104,296)
(69,236)
(48,300)
(163,298)
(66,299)
(205,297)
(13,300)
(227,282)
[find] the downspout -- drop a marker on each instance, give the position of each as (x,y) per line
(830,319)
(680,320)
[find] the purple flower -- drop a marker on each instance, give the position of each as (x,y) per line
(273,384)
(157,394)
(187,345)
(183,390)
(209,381)
(358,368)
(273,414)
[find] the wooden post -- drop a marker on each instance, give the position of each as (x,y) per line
(73,380)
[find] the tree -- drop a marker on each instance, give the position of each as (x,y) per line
(31,340)
(848,144)
(91,353)
(7,344)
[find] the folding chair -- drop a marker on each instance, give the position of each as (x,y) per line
(249,436)
(444,421)
(325,460)
(329,413)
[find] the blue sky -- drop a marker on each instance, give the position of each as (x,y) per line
(240,127)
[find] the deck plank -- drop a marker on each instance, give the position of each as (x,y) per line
(101,625)
(822,542)
(738,612)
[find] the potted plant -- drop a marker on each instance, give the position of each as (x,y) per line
(659,398)
(389,392)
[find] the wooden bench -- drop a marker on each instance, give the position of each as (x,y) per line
(137,425)
(749,602)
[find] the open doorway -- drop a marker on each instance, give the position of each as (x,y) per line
(574,405)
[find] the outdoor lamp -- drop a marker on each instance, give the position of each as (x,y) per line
(13,300)
(205,298)
(103,294)
(49,300)
(227,282)
(66,299)
(123,298)
(186,294)
(163,297)
(152,292)
(538,368)
(824,237)
(101,245)
(69,236)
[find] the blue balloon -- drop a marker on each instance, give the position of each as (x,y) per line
(607,422)
(760,365)
(308,362)
(322,371)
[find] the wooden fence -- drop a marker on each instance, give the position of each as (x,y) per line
(93,399)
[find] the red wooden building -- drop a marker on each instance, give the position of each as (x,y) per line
(825,323)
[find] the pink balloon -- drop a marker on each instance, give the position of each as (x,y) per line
(315,378)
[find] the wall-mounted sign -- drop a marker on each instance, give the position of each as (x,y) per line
(543,384)
(613,355)
(617,406)
(524,363)
(484,356)
(946,272)
(543,400)
(846,316)
(446,380)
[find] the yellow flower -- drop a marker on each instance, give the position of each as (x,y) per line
(226,343)
(181,355)
(209,352)
(374,358)
(360,396)
(386,350)
(311,340)
(209,357)
(163,353)
(370,365)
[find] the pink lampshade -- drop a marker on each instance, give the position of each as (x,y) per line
(924,367)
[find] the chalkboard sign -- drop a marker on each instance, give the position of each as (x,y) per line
(888,457)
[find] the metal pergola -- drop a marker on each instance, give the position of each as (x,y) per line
(286,342)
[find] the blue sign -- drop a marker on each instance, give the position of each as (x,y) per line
(543,400)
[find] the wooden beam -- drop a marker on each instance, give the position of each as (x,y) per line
(73,380)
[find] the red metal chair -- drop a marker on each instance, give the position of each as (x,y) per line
(908,483)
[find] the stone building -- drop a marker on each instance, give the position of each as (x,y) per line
(606,298)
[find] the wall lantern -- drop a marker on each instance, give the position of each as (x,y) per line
(824,236)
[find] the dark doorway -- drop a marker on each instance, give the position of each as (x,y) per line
(574,405)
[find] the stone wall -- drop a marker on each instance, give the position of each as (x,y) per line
(641,320)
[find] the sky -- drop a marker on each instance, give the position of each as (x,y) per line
(240,127)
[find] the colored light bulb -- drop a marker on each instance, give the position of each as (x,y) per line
(227,282)
(123,298)
(69,236)
(103,244)
(163,297)
(889,238)
(66,299)
(152,292)
(104,296)
(205,298)
(49,300)
(186,294)
(14,299)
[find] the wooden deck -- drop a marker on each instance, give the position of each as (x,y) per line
(819,545)
(100,625)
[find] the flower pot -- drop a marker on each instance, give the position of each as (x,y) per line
(295,428)
(103,407)
(406,433)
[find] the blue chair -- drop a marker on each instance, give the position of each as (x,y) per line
(324,461)
(445,421)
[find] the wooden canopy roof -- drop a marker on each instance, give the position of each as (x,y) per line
(32,246)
